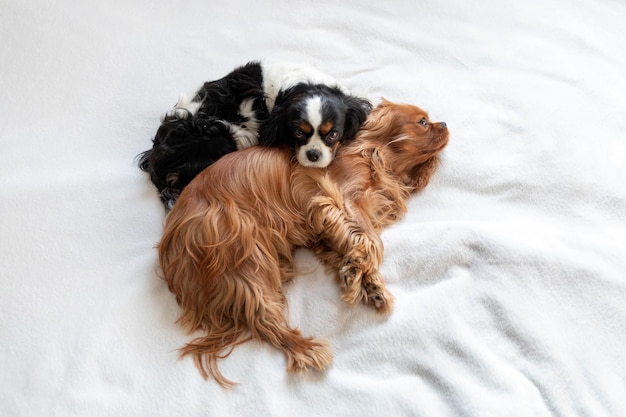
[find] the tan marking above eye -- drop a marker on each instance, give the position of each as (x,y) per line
(326,127)
(305,127)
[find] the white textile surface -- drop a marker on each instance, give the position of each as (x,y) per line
(509,270)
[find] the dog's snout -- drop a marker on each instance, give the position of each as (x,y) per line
(443,124)
(313,155)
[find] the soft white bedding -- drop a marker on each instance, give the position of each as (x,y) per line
(509,270)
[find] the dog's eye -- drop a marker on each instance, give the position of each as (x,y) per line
(298,133)
(332,136)
(424,122)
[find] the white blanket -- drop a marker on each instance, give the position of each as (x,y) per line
(509,270)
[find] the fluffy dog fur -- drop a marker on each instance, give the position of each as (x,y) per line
(227,114)
(227,248)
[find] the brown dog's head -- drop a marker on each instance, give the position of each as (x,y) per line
(406,140)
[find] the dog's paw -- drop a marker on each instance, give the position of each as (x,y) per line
(350,275)
(212,126)
(377,295)
(349,272)
(182,113)
(177,113)
(361,284)
(317,355)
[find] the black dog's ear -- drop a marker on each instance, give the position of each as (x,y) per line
(271,132)
(143,160)
(274,130)
(356,113)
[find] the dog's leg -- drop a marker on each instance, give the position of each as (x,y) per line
(302,352)
(255,308)
(355,284)
(355,252)
(262,273)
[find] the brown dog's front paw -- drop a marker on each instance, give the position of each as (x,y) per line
(351,275)
(359,284)
(350,272)
(376,294)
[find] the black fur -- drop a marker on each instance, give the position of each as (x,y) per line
(187,143)
(182,147)
(222,98)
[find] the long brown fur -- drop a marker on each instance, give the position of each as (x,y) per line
(228,243)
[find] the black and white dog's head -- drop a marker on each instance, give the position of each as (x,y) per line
(313,120)
(288,102)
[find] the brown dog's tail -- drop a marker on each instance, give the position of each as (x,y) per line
(195,255)
(207,349)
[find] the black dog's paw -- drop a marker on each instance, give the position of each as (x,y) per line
(212,126)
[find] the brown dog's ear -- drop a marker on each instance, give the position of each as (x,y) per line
(384,101)
(420,175)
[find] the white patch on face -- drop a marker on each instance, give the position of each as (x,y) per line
(314,153)
(247,133)
(314,112)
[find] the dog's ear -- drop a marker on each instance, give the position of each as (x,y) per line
(356,113)
(420,175)
(272,130)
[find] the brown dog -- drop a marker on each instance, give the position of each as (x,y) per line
(227,248)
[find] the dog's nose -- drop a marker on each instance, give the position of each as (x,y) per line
(443,124)
(313,155)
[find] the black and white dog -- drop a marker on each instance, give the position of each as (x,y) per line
(271,105)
